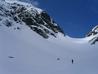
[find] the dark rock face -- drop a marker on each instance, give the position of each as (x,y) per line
(93,33)
(94,40)
(41,22)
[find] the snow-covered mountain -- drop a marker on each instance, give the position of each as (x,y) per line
(32,43)
(94,33)
(13,12)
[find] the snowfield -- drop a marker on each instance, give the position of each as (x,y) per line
(23,51)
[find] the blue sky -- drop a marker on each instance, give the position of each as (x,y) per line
(76,17)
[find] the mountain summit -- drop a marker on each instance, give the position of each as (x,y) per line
(13,11)
(94,34)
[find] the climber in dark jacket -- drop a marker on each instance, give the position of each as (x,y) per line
(72,61)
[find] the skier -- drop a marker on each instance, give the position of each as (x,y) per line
(72,61)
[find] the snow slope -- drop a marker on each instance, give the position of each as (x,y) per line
(23,51)
(33,54)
